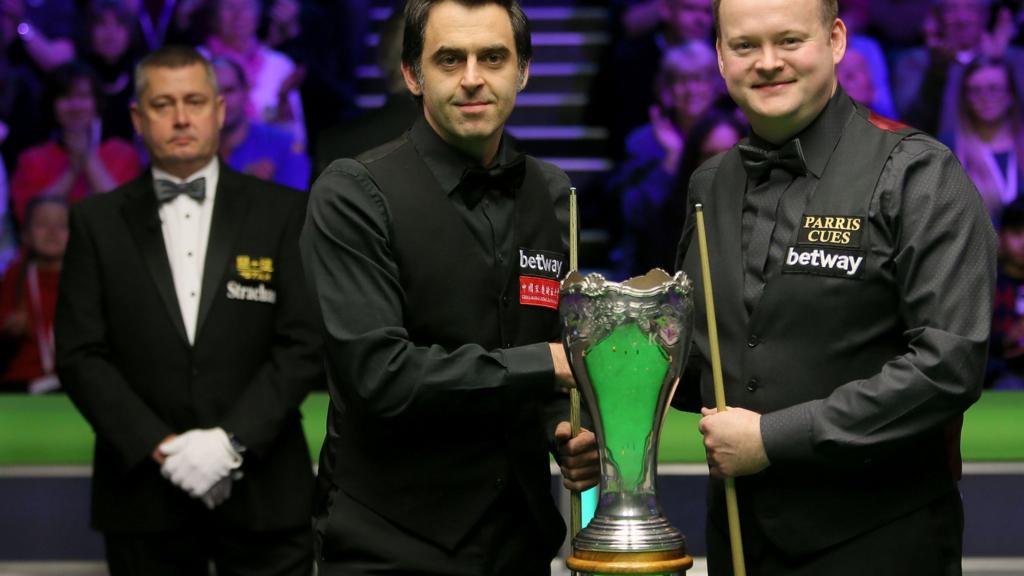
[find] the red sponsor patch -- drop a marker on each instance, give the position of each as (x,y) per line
(538,292)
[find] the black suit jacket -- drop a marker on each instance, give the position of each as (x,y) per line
(125,360)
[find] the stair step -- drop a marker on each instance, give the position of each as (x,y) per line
(548,140)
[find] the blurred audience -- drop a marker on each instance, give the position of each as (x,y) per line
(28,300)
(854,74)
(77,162)
(109,50)
(625,84)
(381,125)
(1006,348)
(39,32)
(273,78)
(988,137)
(318,37)
(653,216)
(159,22)
(686,85)
(929,77)
(262,150)
(8,244)
(21,120)
(864,56)
(892,22)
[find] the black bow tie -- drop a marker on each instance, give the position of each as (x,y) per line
(476,180)
(759,162)
(167,190)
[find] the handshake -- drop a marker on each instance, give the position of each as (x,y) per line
(203,463)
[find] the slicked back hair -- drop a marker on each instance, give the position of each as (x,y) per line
(829,13)
(172,56)
(418,11)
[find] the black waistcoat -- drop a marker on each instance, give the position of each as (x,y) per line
(810,333)
(435,478)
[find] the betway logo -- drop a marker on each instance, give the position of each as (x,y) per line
(824,260)
(540,263)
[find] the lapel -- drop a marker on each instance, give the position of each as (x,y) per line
(229,211)
(140,214)
(724,205)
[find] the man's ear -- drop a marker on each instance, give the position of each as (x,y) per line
(411,81)
(136,119)
(718,53)
(523,78)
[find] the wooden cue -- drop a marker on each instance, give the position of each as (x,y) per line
(575,504)
(731,506)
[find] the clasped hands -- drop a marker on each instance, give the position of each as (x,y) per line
(203,463)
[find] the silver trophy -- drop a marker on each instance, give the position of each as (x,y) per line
(627,344)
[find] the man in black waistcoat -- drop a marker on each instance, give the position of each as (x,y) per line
(853,264)
(436,262)
(186,337)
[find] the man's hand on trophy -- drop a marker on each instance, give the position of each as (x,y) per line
(732,441)
(581,466)
(563,373)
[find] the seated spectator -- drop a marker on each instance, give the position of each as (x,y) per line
(624,87)
(76,163)
(854,74)
(868,57)
(654,216)
(265,151)
(1006,347)
(29,298)
(109,51)
(929,78)
(272,77)
(989,136)
(686,85)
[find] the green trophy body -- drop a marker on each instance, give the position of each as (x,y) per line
(627,343)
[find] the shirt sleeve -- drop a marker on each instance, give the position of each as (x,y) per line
(943,257)
(371,360)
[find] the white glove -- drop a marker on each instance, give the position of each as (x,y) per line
(198,459)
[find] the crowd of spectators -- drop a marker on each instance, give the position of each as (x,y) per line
(287,70)
(951,68)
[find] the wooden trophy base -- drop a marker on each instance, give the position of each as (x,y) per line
(672,562)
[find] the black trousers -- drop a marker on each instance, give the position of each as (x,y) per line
(356,541)
(281,553)
(925,542)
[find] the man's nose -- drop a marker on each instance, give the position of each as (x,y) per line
(471,77)
(769,61)
(180,115)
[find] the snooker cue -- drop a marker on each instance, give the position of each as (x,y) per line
(575,506)
(731,506)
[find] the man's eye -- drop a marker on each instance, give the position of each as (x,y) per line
(448,61)
(494,58)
